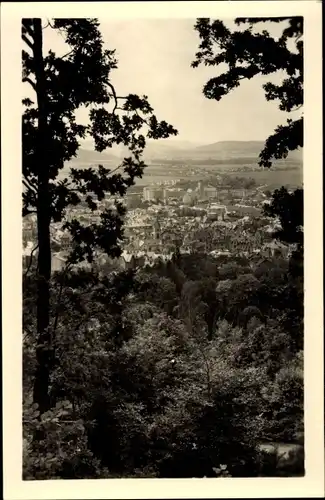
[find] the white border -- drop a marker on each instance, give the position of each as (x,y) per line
(312,485)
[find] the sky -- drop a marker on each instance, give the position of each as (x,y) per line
(154,58)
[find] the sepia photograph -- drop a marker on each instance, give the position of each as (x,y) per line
(162,224)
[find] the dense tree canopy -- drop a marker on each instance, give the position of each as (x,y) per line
(139,389)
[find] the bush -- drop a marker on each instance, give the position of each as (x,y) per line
(55,445)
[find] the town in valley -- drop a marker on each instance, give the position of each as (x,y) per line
(212,205)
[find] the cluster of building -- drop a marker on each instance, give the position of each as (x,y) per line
(189,219)
(189,197)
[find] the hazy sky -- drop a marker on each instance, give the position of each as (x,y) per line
(154,59)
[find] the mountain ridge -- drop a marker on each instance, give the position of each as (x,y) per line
(158,150)
(241,148)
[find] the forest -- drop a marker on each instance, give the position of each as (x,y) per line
(187,368)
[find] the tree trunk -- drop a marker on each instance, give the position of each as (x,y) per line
(44,356)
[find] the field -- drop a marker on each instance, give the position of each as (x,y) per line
(162,174)
(153,174)
(272,178)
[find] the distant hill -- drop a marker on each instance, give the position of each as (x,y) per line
(181,150)
(158,149)
(163,148)
(88,156)
(237,149)
(244,147)
(219,151)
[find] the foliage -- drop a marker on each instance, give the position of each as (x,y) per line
(61,450)
(249,52)
(288,207)
(148,406)
(284,400)
(157,395)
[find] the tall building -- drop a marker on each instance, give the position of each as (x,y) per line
(152,193)
(156,230)
(66,242)
(217,212)
(210,192)
(200,189)
(206,192)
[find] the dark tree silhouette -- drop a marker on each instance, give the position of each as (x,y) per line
(288,207)
(249,53)
(51,134)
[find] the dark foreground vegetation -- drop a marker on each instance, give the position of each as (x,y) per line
(184,369)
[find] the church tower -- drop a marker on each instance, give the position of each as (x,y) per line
(156,230)
(200,189)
